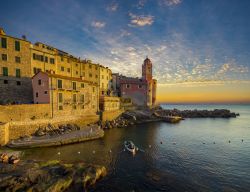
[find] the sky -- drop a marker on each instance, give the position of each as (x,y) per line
(200,49)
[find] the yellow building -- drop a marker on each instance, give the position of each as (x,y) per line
(15,69)
(20,60)
(66,95)
(105,81)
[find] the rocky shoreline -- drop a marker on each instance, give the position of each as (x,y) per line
(216,113)
(49,176)
(158,114)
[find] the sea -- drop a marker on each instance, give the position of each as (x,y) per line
(202,154)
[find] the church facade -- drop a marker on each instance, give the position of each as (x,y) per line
(142,91)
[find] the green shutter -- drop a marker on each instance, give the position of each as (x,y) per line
(4,42)
(59,84)
(18,73)
(5,71)
(60,99)
(17,45)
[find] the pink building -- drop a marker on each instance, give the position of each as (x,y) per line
(142,91)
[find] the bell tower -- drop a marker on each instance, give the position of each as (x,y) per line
(147,69)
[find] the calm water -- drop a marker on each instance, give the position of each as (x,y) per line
(187,160)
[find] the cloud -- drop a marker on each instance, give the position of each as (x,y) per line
(124,33)
(169,2)
(98,24)
(141,4)
(113,7)
(141,20)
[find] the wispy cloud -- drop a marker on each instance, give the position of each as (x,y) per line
(169,2)
(113,7)
(141,20)
(124,33)
(98,24)
(141,4)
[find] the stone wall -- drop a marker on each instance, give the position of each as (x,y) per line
(17,129)
(4,133)
(17,90)
(108,103)
(110,115)
(24,112)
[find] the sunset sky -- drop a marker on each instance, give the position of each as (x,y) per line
(200,49)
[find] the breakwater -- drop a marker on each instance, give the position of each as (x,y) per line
(216,113)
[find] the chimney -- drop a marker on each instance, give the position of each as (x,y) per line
(2,31)
(24,37)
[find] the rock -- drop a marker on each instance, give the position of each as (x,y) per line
(4,158)
(50,176)
(13,159)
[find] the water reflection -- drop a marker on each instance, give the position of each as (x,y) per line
(194,155)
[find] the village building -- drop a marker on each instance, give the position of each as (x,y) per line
(20,60)
(15,70)
(66,95)
(142,91)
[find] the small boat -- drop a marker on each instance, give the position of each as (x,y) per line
(130,146)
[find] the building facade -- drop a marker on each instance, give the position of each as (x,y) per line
(15,70)
(66,95)
(20,60)
(142,90)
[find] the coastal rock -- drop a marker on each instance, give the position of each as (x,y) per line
(216,113)
(49,176)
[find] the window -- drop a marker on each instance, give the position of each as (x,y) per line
(74,106)
(127,86)
(34,56)
(5,81)
(90,66)
(45,92)
(17,45)
(74,85)
(140,86)
(90,75)
(36,94)
(60,107)
(4,57)
(46,59)
(68,70)
(59,84)
(18,83)
(60,97)
(82,98)
(82,85)
(36,70)
(18,73)
(39,82)
(96,68)
(74,98)
(5,71)
(76,72)
(4,42)
(61,58)
(62,68)
(18,59)
(93,89)
(96,76)
(52,60)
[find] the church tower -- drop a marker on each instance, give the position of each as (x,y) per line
(147,69)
